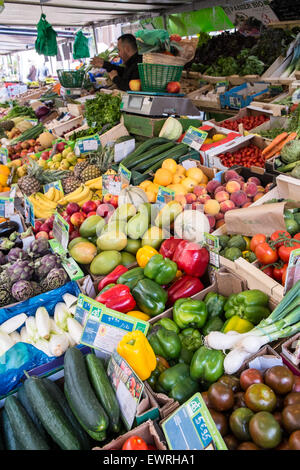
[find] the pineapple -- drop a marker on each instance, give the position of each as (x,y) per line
(79,167)
(97,163)
(70,184)
(37,176)
(89,173)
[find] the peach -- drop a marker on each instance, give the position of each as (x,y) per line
(219,216)
(260,189)
(254,180)
(250,189)
(219,188)
(239,198)
(226,206)
(200,190)
(231,175)
(181,199)
(190,198)
(222,196)
(233,186)
(219,223)
(268,187)
(203,199)
(246,205)
(211,220)
(212,185)
(198,206)
(258,196)
(212,207)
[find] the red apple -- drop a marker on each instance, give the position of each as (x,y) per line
(98,202)
(60,146)
(89,206)
(72,207)
(45,227)
(44,155)
(105,210)
(37,226)
(77,218)
(111,199)
(50,221)
(91,213)
(71,227)
(42,235)
(51,234)
(173,87)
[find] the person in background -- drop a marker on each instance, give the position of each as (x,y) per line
(32,72)
(43,73)
(121,75)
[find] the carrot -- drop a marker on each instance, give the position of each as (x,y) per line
(274,143)
(279,147)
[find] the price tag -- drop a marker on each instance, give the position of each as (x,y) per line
(34,122)
(125,175)
(68,263)
(194,137)
(7,206)
(213,245)
(87,144)
(127,386)
(293,270)
(54,184)
(3,155)
(164,196)
(61,230)
(104,327)
(29,211)
(123,149)
(111,184)
(191,427)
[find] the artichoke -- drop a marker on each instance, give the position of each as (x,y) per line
(22,290)
(5,297)
(291,151)
(20,270)
(3,259)
(17,253)
(44,265)
(57,277)
(39,247)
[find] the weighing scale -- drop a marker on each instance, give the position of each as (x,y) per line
(72,92)
(157,104)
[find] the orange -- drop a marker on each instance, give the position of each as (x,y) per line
(6,189)
(3,180)
(163,177)
(169,164)
(144,184)
(4,170)
(152,188)
(151,195)
(178,188)
(195,173)
(177,178)
(180,169)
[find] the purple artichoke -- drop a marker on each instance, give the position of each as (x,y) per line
(17,253)
(22,290)
(20,270)
(39,247)
(44,265)
(3,259)
(57,277)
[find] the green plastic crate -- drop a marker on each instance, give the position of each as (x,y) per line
(155,77)
(71,78)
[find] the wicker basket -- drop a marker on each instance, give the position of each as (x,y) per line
(163,59)
(155,77)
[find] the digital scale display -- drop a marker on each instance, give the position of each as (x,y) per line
(135,102)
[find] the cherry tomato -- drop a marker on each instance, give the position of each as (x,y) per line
(135,443)
(256,240)
(265,254)
(278,234)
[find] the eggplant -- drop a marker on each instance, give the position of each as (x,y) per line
(7,228)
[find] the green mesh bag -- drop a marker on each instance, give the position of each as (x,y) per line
(46,38)
(81,47)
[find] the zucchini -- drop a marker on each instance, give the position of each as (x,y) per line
(157,162)
(51,415)
(23,427)
(178,151)
(142,148)
(103,390)
(81,397)
(142,159)
(9,435)
(58,395)
(22,397)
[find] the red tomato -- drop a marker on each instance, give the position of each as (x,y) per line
(135,443)
(285,251)
(268,271)
(249,377)
(278,234)
(297,236)
(256,240)
(284,277)
(278,272)
(265,254)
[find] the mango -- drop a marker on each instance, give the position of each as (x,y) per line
(123,212)
(154,237)
(75,241)
(127,258)
(113,240)
(133,246)
(118,225)
(105,262)
(91,226)
(83,252)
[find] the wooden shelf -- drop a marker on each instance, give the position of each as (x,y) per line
(284,24)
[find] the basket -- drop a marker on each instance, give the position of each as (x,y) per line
(155,77)
(71,78)
(163,59)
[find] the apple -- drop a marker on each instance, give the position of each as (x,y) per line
(42,235)
(91,213)
(37,226)
(77,218)
(173,87)
(44,155)
(50,221)
(105,211)
(135,85)
(111,199)
(45,227)
(89,206)
(51,234)
(71,227)
(98,202)
(60,146)
(72,207)
(74,234)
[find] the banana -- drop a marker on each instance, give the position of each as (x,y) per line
(58,195)
(50,194)
(79,197)
(43,197)
(96,185)
(87,198)
(42,204)
(94,181)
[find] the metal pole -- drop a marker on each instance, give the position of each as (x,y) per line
(95,38)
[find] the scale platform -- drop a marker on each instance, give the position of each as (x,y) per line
(156,104)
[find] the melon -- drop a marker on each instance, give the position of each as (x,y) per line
(132,195)
(172,129)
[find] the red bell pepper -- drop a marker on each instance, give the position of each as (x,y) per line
(112,277)
(168,247)
(191,258)
(185,286)
(117,298)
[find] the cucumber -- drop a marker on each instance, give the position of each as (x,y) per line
(51,414)
(23,427)
(9,436)
(81,397)
(175,155)
(138,161)
(177,151)
(143,148)
(58,395)
(22,397)
(103,390)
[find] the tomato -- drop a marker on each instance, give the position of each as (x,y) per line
(256,240)
(249,377)
(265,430)
(297,236)
(284,276)
(278,272)
(296,385)
(285,251)
(239,423)
(135,443)
(294,440)
(268,271)
(265,254)
(220,397)
(280,379)
(278,234)
(260,397)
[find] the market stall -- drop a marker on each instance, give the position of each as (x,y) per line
(150,247)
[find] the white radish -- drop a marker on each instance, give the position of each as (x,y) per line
(6,342)
(234,360)
(58,344)
(42,322)
(75,329)
(16,337)
(43,345)
(12,324)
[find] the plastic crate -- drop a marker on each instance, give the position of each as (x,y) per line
(155,77)
(238,97)
(71,78)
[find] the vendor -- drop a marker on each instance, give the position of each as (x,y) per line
(128,52)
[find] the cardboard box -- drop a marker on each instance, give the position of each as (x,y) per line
(60,129)
(266,352)
(213,128)
(248,111)
(151,127)
(287,354)
(242,95)
(272,108)
(205,97)
(166,404)
(113,134)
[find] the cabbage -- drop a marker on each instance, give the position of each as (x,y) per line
(291,151)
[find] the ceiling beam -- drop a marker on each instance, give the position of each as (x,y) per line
(114,9)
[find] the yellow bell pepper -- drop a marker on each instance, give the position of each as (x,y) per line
(144,254)
(137,351)
(138,314)
(247,240)
(238,324)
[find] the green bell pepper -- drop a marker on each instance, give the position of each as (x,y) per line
(212,324)
(169,324)
(161,270)
(188,312)
(150,297)
(207,365)
(131,277)
(214,304)
(185,356)
(250,305)
(165,343)
(177,383)
(190,339)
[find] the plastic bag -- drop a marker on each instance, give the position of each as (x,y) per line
(156,40)
(81,46)
(46,38)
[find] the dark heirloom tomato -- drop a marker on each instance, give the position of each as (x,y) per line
(280,379)
(230,381)
(260,397)
(296,384)
(248,446)
(231,441)
(291,399)
(220,421)
(284,445)
(291,418)
(205,398)
(220,397)
(249,377)
(239,400)
(239,423)
(278,416)
(265,430)
(294,440)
